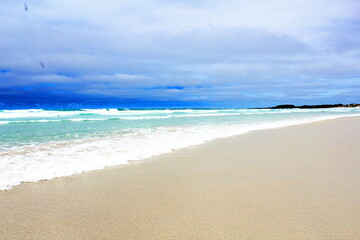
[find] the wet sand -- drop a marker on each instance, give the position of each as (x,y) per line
(299,182)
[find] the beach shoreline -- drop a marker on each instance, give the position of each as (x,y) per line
(296,182)
(37,144)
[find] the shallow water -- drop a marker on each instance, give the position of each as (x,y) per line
(38,144)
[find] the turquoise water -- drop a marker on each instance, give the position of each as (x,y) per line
(40,144)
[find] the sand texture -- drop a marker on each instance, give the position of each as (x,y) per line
(300,182)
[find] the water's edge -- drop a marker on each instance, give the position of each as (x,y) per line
(205,140)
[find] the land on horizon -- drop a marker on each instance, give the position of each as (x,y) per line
(339,105)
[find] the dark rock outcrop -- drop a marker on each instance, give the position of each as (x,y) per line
(284,106)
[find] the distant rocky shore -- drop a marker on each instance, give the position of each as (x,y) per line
(316,106)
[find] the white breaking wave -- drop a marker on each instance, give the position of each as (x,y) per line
(40,115)
(120,118)
(56,120)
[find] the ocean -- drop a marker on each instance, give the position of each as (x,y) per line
(37,144)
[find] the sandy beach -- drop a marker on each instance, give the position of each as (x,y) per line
(299,182)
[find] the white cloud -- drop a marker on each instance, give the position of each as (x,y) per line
(136,44)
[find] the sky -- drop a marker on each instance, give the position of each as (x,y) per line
(178,53)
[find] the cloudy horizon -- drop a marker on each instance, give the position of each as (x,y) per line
(161,53)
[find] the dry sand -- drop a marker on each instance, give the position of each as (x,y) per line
(300,182)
